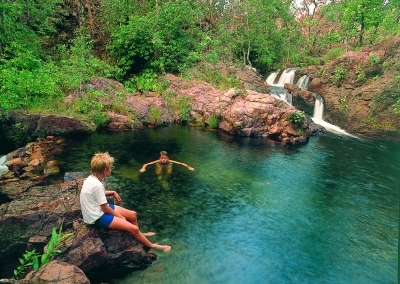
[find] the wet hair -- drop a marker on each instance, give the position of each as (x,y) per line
(164,153)
(101,162)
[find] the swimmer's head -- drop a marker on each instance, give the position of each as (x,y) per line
(163,157)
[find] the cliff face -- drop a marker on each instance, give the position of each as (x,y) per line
(360,88)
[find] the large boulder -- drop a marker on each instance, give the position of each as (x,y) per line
(57,272)
(32,211)
(246,114)
(239,111)
(20,127)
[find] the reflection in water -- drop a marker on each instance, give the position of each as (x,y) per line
(256,211)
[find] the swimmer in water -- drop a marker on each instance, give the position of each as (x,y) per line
(164,161)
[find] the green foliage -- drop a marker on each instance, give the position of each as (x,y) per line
(340,73)
(78,64)
(90,108)
(360,73)
(153,37)
(361,21)
(24,23)
(20,134)
(333,54)
(309,60)
(216,78)
(117,12)
(373,58)
(184,107)
(179,105)
(24,79)
(343,102)
(165,41)
(296,116)
(211,57)
(213,122)
(31,259)
(55,240)
(146,81)
(396,107)
(155,115)
(131,45)
(321,72)
(300,131)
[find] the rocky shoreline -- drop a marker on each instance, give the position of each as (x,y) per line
(30,209)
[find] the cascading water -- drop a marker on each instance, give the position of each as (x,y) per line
(271,78)
(3,167)
(287,76)
(318,118)
(277,90)
(303,82)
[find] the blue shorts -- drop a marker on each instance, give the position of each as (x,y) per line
(105,220)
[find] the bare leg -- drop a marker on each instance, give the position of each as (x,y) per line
(131,216)
(123,225)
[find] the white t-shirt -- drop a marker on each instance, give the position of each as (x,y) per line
(91,197)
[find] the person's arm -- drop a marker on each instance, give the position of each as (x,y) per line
(107,209)
(182,164)
(143,169)
(116,195)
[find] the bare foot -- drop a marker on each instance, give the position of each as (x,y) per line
(148,234)
(161,247)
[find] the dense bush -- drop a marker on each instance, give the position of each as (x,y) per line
(333,54)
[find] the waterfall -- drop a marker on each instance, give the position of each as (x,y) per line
(271,78)
(277,90)
(280,93)
(287,76)
(3,167)
(318,118)
(318,108)
(303,82)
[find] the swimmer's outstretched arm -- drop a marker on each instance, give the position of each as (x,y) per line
(182,164)
(143,169)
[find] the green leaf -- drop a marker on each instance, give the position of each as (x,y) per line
(36,263)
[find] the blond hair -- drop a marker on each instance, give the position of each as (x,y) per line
(101,162)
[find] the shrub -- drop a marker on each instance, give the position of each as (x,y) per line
(396,106)
(333,54)
(213,122)
(343,102)
(32,259)
(155,115)
(339,73)
(373,58)
(297,116)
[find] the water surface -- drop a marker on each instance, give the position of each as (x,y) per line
(255,211)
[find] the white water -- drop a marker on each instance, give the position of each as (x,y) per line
(287,76)
(318,115)
(303,82)
(3,167)
(279,92)
(277,89)
(271,78)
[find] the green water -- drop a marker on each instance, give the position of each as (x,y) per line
(255,211)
